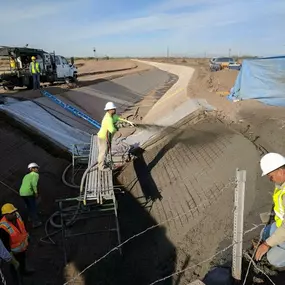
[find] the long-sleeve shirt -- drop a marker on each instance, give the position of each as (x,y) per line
(29,185)
(108,128)
(278,236)
(4,253)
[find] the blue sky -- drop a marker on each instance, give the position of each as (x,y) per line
(146,27)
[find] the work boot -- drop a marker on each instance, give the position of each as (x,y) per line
(37,224)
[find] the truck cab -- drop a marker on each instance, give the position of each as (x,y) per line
(64,69)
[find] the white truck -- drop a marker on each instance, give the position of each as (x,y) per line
(54,68)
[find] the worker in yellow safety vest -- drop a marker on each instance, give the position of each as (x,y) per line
(12,229)
(273,235)
(106,133)
(12,63)
(35,72)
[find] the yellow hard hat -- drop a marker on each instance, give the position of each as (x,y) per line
(8,209)
(33,57)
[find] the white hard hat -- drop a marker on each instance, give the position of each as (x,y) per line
(110,106)
(33,165)
(270,162)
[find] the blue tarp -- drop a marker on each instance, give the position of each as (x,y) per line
(262,79)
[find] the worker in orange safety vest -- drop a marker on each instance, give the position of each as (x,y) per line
(12,229)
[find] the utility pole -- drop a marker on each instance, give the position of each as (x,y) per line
(167,52)
(94,50)
(230,52)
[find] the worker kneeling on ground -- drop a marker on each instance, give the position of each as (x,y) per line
(273,235)
(12,229)
(106,133)
(29,192)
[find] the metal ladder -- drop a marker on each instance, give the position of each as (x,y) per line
(71,109)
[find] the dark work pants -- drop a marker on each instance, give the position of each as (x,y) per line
(31,203)
(36,81)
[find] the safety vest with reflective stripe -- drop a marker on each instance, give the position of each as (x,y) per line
(18,235)
(35,67)
(278,205)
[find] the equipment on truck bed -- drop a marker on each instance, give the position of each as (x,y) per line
(15,61)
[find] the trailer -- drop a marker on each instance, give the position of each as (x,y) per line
(15,72)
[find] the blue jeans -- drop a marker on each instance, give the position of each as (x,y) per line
(36,81)
(276,255)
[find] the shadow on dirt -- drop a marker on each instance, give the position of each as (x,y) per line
(145,259)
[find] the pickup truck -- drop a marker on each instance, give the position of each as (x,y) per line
(218,63)
(54,68)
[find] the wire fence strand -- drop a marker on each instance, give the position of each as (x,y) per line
(257,268)
(247,271)
(144,231)
(205,260)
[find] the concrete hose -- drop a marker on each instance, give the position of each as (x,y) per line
(64,179)
(51,220)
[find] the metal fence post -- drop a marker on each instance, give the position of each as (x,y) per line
(238,224)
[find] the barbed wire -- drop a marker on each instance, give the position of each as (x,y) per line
(144,231)
(205,260)
(254,252)
(257,268)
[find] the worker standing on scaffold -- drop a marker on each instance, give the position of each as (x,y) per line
(106,133)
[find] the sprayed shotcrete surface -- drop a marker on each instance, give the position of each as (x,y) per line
(190,172)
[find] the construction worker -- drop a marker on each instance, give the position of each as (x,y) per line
(12,63)
(273,235)
(29,192)
(35,71)
(8,257)
(12,229)
(106,133)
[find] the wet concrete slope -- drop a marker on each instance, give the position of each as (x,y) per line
(190,175)
(124,92)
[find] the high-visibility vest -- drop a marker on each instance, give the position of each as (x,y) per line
(35,67)
(18,235)
(278,205)
(12,63)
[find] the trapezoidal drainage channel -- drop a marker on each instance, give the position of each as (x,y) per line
(173,205)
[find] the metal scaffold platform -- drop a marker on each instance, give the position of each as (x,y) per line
(97,193)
